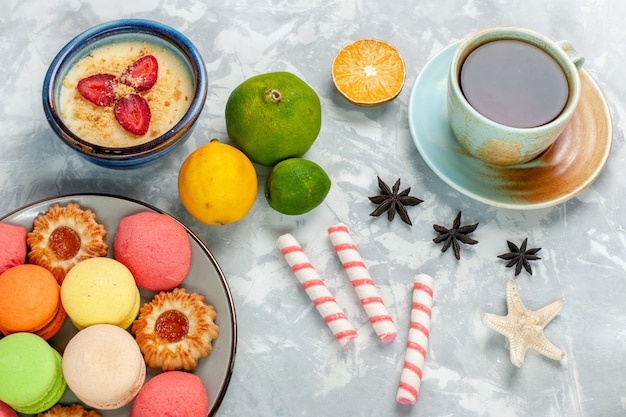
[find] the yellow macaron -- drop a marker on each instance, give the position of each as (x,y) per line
(100,291)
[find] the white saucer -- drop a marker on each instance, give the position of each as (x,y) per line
(569,166)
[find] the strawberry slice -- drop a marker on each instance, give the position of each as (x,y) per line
(141,74)
(98,89)
(133,113)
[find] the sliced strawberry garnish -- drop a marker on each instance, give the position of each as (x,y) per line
(141,74)
(99,89)
(133,114)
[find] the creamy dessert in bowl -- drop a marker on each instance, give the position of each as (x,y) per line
(125,92)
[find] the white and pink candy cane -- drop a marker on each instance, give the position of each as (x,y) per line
(315,288)
(411,377)
(362,282)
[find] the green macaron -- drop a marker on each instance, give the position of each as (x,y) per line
(31,375)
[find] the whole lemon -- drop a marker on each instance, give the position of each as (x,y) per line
(273,116)
(296,186)
(217,183)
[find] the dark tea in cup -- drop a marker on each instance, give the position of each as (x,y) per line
(511,92)
(514,83)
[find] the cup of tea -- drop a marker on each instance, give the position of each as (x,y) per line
(511,92)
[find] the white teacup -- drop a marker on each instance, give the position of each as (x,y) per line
(511,92)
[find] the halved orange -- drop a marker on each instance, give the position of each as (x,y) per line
(368,72)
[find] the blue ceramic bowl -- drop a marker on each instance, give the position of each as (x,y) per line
(119,31)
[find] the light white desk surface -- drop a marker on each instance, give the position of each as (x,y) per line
(288,363)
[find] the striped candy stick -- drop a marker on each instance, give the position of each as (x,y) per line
(367,292)
(411,377)
(315,288)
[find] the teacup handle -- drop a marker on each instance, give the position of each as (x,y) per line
(572,53)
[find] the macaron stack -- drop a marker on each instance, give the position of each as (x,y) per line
(32,377)
(30,301)
(100,290)
(102,363)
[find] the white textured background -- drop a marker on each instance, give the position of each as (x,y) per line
(287,361)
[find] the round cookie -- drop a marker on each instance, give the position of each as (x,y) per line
(30,301)
(175,330)
(12,246)
(100,290)
(103,366)
(174,393)
(72,410)
(65,236)
(156,249)
(31,377)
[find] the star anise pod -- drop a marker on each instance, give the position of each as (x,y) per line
(520,257)
(452,236)
(393,201)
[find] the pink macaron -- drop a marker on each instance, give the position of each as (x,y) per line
(155,248)
(12,246)
(171,394)
(6,411)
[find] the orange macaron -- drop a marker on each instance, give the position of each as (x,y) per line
(30,301)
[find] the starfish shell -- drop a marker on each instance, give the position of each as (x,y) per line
(523,328)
